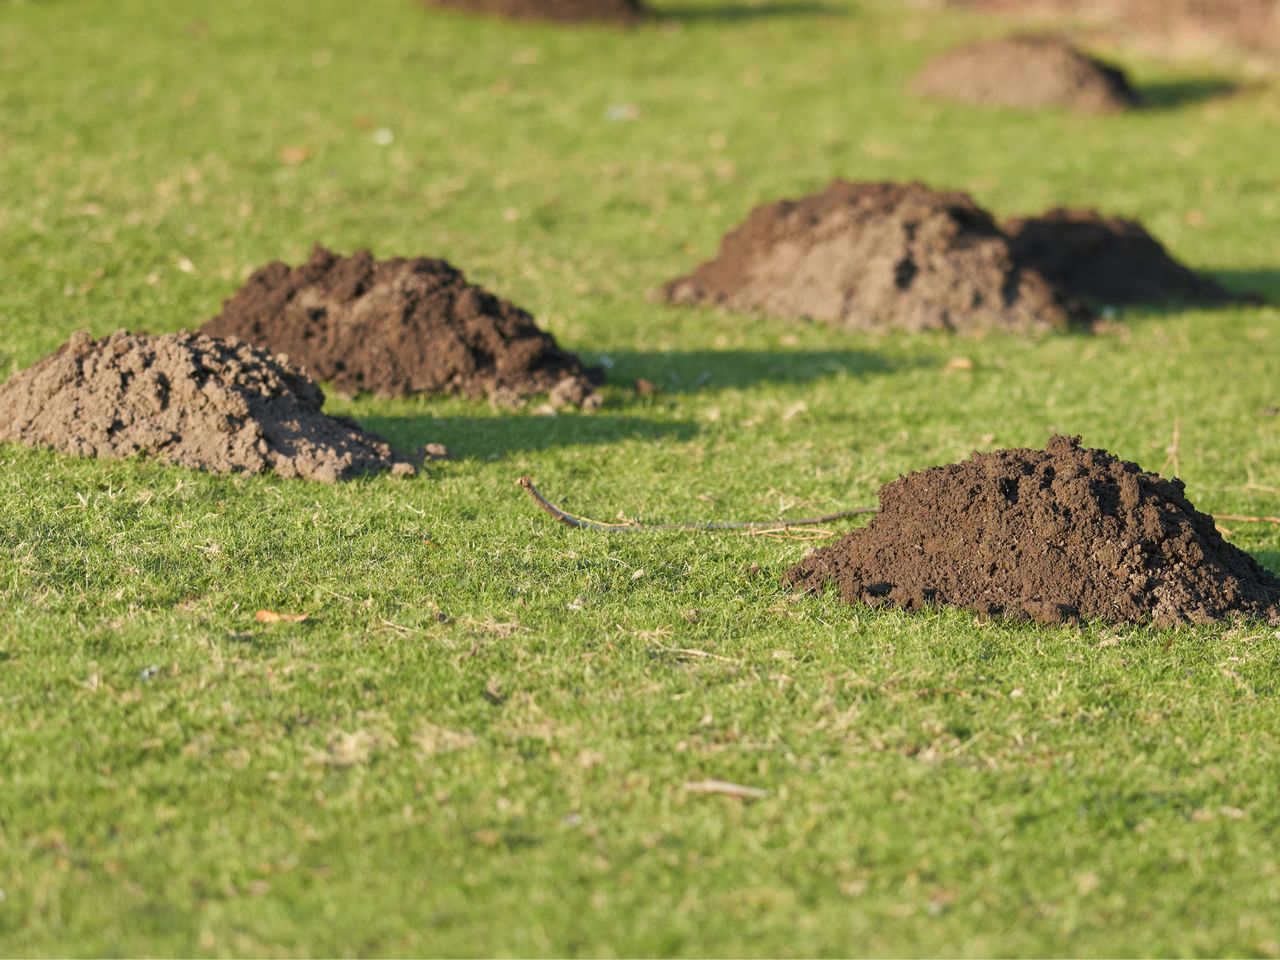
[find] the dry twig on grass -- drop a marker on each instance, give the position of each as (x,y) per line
(687,653)
(1173,449)
(726,789)
(1241,518)
(758,527)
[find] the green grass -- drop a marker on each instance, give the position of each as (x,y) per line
(176,778)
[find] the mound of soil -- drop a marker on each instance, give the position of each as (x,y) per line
(1061,534)
(878,255)
(1108,259)
(187,399)
(395,327)
(1027,71)
(560,11)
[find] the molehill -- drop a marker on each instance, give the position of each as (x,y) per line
(874,256)
(1030,70)
(561,11)
(1107,259)
(190,400)
(395,327)
(1055,535)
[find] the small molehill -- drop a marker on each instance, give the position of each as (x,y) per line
(395,327)
(1027,71)
(869,256)
(187,399)
(1054,535)
(1108,259)
(559,11)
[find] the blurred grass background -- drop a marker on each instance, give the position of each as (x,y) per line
(477,744)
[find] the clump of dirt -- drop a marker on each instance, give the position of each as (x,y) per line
(560,11)
(1027,71)
(1055,535)
(875,256)
(190,400)
(395,327)
(1108,259)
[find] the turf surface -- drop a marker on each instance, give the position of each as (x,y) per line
(478,743)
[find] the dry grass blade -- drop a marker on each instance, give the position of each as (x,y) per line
(273,616)
(687,653)
(783,533)
(726,789)
(1174,449)
(1241,518)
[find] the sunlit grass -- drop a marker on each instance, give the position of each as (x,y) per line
(477,743)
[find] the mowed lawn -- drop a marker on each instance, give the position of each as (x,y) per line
(478,743)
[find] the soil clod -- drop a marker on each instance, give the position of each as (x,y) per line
(190,400)
(1055,535)
(398,326)
(1107,259)
(875,256)
(1030,70)
(559,11)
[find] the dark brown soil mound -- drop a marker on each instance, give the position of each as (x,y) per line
(1053,535)
(1027,71)
(1105,258)
(188,399)
(394,327)
(878,255)
(560,11)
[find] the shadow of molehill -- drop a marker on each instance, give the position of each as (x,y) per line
(1171,94)
(1261,286)
(1269,559)
(727,12)
(478,438)
(694,370)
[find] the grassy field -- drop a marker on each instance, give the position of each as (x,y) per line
(478,742)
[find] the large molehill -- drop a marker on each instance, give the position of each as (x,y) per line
(1030,70)
(1055,535)
(871,256)
(399,326)
(186,399)
(1107,259)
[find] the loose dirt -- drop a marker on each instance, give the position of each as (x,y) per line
(1027,71)
(561,11)
(1108,259)
(395,327)
(190,400)
(874,256)
(1055,535)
